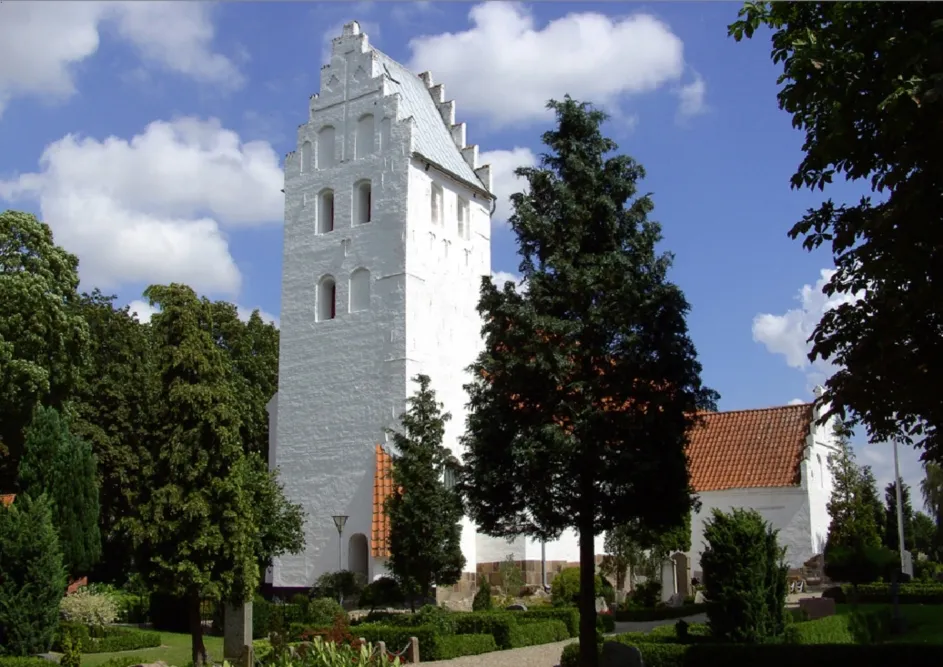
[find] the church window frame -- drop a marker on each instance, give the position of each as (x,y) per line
(462,218)
(326,301)
(363,202)
(326,209)
(436,204)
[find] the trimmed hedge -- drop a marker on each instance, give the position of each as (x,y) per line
(499,625)
(853,628)
(643,614)
(912,593)
(396,638)
(569,615)
(23,662)
(112,638)
(126,661)
(777,655)
(457,646)
(537,632)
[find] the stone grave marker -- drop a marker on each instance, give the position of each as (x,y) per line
(615,654)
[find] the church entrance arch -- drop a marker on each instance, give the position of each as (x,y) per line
(358,556)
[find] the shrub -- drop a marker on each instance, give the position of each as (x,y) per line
(436,617)
(569,616)
(861,564)
(853,628)
(482,600)
(71,652)
(512,576)
(745,577)
(321,611)
(641,614)
(605,623)
(498,624)
(32,577)
(87,608)
(648,593)
(537,632)
(382,592)
(565,587)
(337,585)
(125,661)
(916,593)
(109,639)
(132,606)
(396,638)
(6,661)
(457,646)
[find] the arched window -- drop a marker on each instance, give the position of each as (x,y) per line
(359,290)
(326,212)
(436,204)
(306,157)
(364,141)
(363,203)
(461,213)
(326,147)
(327,299)
(385,127)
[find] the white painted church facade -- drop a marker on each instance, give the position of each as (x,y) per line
(386,238)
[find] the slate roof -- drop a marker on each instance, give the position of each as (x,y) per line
(433,139)
(382,489)
(746,449)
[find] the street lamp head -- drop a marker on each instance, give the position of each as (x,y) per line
(339,521)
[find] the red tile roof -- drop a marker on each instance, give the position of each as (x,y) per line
(7,499)
(382,489)
(749,448)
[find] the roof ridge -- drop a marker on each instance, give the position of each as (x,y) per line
(770,408)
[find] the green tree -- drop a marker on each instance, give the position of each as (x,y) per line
(197,530)
(512,576)
(253,348)
(32,578)
(744,577)
(425,515)
(864,82)
(872,498)
(924,534)
(63,467)
(113,409)
(931,488)
(42,341)
(581,403)
(853,519)
(624,555)
(891,540)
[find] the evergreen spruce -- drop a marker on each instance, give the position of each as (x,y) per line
(853,521)
(32,577)
(582,401)
(425,515)
(63,467)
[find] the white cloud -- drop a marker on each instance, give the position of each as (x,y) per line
(144,311)
(797,401)
(149,209)
(41,43)
(788,334)
(517,66)
(691,97)
(501,277)
(504,181)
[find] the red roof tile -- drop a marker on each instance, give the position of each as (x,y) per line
(382,489)
(749,448)
(7,499)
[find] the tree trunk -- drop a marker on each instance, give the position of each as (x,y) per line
(589,654)
(197,648)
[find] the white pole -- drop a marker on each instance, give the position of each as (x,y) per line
(900,509)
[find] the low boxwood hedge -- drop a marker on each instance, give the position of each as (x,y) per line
(125,661)
(912,593)
(569,615)
(456,646)
(778,655)
(110,639)
(6,661)
(397,638)
(537,632)
(643,614)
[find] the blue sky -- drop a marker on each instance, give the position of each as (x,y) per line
(150,137)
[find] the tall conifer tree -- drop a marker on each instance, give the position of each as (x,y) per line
(425,514)
(581,402)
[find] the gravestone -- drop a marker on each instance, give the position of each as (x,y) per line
(601,606)
(683,573)
(517,607)
(237,634)
(616,654)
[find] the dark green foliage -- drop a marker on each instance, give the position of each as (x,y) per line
(43,342)
(122,661)
(32,577)
(512,576)
(606,623)
(71,652)
(914,593)
(648,593)
(851,505)
(382,593)
(457,646)
(744,577)
(169,612)
(322,611)
(565,587)
(570,617)
(337,585)
(113,411)
(582,401)
(425,517)
(891,538)
(6,661)
(924,540)
(397,638)
(876,124)
(860,564)
(482,600)
(109,639)
(635,615)
(63,467)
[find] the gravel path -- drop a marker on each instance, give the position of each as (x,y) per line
(545,655)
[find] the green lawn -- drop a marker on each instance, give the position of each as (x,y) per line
(923,622)
(174,650)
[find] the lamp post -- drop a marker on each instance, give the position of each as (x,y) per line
(339,521)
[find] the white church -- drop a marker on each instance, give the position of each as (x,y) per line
(387,235)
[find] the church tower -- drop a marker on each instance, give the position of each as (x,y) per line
(386,238)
